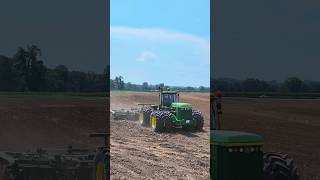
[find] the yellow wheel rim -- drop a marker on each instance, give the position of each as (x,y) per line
(100,171)
(141,118)
(153,122)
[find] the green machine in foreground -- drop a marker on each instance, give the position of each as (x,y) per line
(236,155)
(69,164)
(239,156)
(170,114)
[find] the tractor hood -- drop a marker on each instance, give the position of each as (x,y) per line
(229,138)
(181,105)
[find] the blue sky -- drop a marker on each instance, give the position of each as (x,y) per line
(161,41)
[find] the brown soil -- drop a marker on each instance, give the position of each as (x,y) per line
(139,153)
(290,126)
(30,122)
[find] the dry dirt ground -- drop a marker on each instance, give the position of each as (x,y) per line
(291,126)
(30,122)
(50,122)
(139,153)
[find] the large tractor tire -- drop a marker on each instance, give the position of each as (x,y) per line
(145,115)
(168,119)
(197,120)
(102,165)
(278,166)
(157,121)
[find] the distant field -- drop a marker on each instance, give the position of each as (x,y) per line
(29,122)
(273,94)
(287,125)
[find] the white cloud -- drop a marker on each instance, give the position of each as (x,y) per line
(201,45)
(146,55)
(156,34)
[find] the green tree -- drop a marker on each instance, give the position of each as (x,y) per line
(31,70)
(293,84)
(20,64)
(36,69)
(202,89)
(8,74)
(255,85)
(61,74)
(129,86)
(189,88)
(145,86)
(119,83)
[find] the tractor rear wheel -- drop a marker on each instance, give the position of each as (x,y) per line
(197,120)
(144,116)
(278,166)
(157,121)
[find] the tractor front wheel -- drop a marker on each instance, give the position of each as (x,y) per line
(197,120)
(278,166)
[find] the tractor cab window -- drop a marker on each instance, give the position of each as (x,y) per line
(169,98)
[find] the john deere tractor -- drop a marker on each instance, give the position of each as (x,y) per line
(170,114)
(239,156)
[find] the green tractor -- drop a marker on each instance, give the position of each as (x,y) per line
(239,156)
(170,114)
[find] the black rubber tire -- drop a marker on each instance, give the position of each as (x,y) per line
(146,111)
(278,166)
(102,156)
(197,120)
(160,121)
(168,118)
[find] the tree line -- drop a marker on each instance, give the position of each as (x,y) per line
(25,71)
(290,85)
(118,83)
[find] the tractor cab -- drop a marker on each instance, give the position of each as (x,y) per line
(168,97)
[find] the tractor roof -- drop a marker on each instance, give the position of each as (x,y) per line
(181,105)
(234,138)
